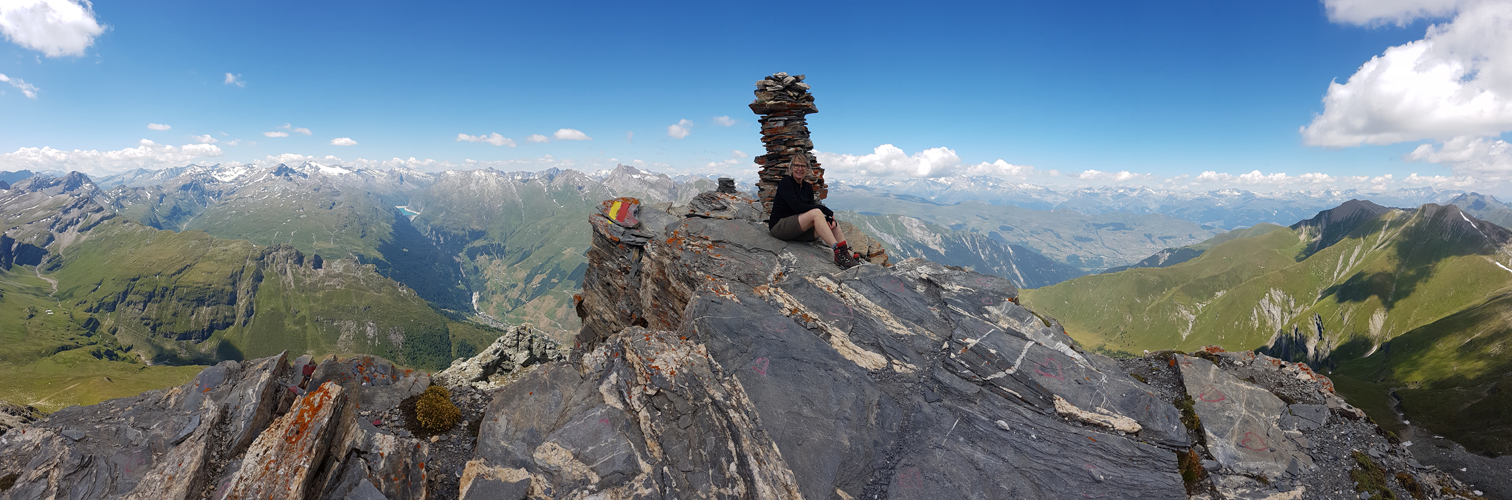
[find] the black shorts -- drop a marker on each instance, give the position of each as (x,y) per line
(789,229)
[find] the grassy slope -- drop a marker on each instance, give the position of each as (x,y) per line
(1152,308)
(76,377)
(1400,267)
(162,291)
(1454,376)
(1423,272)
(126,293)
(50,361)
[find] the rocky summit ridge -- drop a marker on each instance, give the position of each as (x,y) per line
(715,361)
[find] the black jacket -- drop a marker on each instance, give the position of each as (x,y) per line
(794,199)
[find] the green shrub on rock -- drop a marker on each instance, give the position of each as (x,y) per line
(435,410)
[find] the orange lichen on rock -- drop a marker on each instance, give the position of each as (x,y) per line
(291,448)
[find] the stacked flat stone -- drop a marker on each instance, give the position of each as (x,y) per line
(782,100)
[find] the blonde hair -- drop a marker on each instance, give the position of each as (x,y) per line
(800,160)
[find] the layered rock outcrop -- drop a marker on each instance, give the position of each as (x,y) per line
(519,347)
(238,430)
(13,416)
(719,361)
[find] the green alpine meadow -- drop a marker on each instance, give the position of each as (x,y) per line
(94,305)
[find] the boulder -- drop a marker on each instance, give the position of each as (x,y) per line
(376,382)
(1240,421)
(518,347)
(13,416)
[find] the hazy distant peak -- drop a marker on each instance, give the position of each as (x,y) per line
(287,172)
(75,183)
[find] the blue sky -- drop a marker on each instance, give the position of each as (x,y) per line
(1159,90)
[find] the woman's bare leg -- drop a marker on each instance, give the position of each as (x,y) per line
(839,236)
(815,219)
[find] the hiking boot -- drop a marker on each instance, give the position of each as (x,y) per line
(844,258)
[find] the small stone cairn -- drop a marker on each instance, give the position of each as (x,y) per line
(782,100)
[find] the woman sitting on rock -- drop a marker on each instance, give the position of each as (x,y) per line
(796,216)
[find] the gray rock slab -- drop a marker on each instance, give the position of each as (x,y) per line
(365,491)
(367,452)
(570,431)
(832,423)
(511,432)
(1002,357)
(1240,421)
(498,489)
(1305,417)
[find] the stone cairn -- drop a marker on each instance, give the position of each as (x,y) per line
(782,100)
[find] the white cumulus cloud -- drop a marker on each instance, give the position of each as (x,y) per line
(888,160)
(1441,181)
(26,89)
(736,153)
(1456,81)
(1119,176)
(1477,157)
(1398,12)
(158,126)
(204,139)
(724,121)
(537,138)
(235,80)
(275,134)
(233,143)
(343,141)
(494,138)
(55,28)
(568,134)
(679,130)
(300,130)
(1276,179)
(147,154)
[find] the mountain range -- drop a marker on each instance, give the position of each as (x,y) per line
(1222,208)
(481,243)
